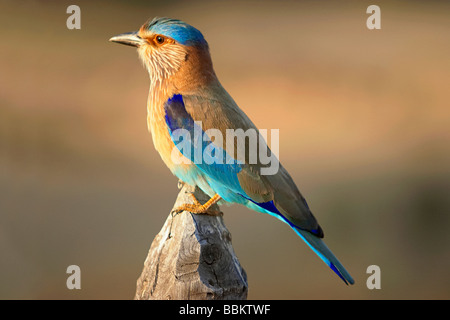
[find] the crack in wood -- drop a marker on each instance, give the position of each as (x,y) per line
(192,258)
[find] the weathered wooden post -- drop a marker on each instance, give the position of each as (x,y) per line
(192,258)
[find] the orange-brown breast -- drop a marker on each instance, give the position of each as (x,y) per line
(192,78)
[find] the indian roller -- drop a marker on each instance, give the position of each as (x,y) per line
(185,94)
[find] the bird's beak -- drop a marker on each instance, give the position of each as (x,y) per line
(129,39)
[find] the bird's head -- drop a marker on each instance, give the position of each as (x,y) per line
(170,48)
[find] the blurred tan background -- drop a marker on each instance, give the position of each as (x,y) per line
(364,124)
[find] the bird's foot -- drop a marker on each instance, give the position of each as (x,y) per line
(198,208)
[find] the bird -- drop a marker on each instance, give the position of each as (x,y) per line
(186,96)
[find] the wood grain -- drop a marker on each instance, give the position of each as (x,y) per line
(192,258)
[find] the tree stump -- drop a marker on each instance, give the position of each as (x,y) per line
(192,258)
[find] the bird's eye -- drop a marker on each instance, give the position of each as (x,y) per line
(160,39)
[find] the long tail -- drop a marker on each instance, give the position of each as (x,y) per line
(321,249)
(314,242)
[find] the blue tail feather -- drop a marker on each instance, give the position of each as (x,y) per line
(311,238)
(321,249)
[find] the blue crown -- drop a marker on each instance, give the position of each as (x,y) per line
(177,30)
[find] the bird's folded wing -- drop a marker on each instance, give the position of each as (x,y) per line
(276,193)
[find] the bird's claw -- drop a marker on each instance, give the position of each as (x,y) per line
(197,209)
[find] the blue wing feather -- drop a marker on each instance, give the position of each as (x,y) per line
(197,142)
(223,176)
